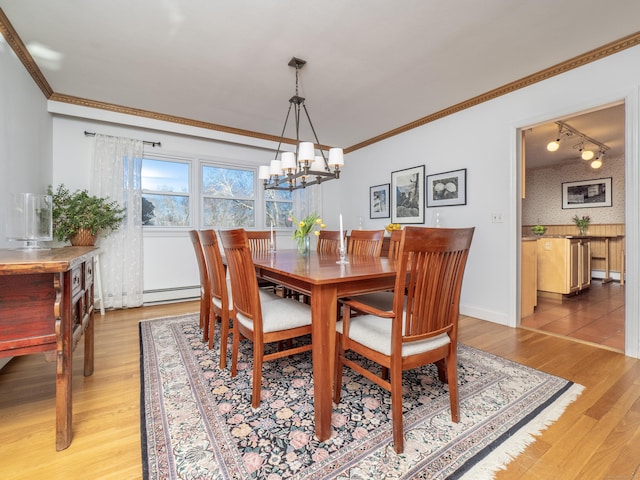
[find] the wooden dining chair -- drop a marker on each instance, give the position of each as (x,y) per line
(329,242)
(365,242)
(260,322)
(221,309)
(259,240)
(205,288)
(221,300)
(384,300)
(421,328)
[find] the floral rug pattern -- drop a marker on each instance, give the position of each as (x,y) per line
(197,422)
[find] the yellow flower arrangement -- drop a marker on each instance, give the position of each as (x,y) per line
(306,225)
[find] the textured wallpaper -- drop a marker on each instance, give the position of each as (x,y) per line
(543,203)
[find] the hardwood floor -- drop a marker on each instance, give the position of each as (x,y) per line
(595,315)
(596,438)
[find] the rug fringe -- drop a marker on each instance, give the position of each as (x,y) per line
(516,444)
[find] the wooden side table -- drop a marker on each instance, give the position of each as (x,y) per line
(46,304)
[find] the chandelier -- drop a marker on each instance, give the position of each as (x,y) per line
(302,168)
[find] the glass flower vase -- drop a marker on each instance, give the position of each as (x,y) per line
(304,245)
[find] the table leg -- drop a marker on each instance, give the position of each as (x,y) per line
(62,311)
(323,308)
(607,275)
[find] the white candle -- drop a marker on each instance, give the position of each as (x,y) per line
(341,235)
(271,234)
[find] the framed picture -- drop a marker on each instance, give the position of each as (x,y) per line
(447,189)
(587,193)
(379,201)
(407,195)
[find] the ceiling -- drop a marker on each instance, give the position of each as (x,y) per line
(373,66)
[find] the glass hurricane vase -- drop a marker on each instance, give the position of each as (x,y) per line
(304,245)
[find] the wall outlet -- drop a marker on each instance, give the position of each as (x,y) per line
(497,218)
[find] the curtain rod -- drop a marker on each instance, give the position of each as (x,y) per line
(153,144)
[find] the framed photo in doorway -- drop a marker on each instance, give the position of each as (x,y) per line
(587,193)
(407,195)
(379,201)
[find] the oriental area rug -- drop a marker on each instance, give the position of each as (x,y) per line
(197,421)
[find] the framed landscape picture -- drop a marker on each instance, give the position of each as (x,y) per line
(379,201)
(587,193)
(407,194)
(447,188)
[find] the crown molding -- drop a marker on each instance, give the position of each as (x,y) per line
(112,107)
(23,54)
(14,41)
(575,62)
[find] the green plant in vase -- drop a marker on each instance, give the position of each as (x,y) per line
(79,217)
(582,223)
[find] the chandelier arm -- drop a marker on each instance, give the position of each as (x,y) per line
(315,135)
(284,127)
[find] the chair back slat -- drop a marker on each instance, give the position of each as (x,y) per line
(244,283)
(329,242)
(394,244)
(259,241)
(202,269)
(215,267)
(434,259)
(365,242)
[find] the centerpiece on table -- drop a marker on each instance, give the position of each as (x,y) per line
(582,223)
(304,228)
(80,217)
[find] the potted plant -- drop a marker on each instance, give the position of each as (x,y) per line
(80,217)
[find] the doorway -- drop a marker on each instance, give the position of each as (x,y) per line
(595,314)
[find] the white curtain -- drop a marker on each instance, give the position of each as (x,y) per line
(117,164)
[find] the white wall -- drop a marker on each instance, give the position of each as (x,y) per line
(483,139)
(25,135)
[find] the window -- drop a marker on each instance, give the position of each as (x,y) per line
(228,197)
(165,193)
(278,207)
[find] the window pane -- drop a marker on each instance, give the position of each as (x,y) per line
(226,182)
(161,176)
(277,214)
(228,213)
(283,195)
(165,210)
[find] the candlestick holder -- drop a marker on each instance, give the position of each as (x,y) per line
(272,247)
(343,257)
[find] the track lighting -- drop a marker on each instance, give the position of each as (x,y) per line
(565,129)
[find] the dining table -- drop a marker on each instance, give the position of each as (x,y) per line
(325,281)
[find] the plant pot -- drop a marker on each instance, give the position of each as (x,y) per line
(83,238)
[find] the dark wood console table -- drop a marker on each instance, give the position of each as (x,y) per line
(46,304)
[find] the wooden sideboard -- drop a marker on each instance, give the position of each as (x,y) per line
(46,304)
